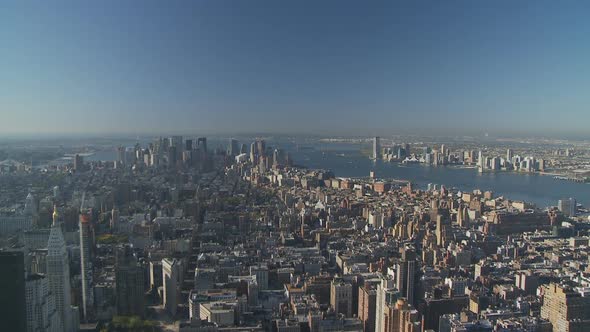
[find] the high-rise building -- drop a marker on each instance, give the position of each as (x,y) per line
(40,304)
(58,275)
(366,306)
(376,147)
(170,284)
(566,309)
(12,301)
(232,147)
(386,296)
(188,145)
(130,283)
(509,155)
(405,273)
(260,147)
(202,144)
(86,265)
(341,297)
(122,155)
(78,162)
(402,317)
(261,273)
(567,206)
(253,152)
(114,219)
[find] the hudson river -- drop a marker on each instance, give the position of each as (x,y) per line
(347,161)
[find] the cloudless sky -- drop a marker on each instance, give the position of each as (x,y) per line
(334,67)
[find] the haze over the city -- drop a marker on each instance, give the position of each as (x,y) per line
(334,67)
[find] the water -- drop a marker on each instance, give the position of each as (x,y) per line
(346,160)
(542,190)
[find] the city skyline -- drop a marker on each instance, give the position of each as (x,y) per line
(329,68)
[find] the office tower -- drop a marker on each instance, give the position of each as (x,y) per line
(205,278)
(58,275)
(480,162)
(407,149)
(114,219)
(341,297)
(366,307)
(40,304)
(277,156)
(253,152)
(171,156)
(232,147)
(386,296)
(509,155)
(402,317)
(243,148)
(122,155)
(260,147)
(376,147)
(170,284)
(12,301)
(78,162)
(443,230)
(405,273)
(129,279)
(202,144)
(567,206)
(188,145)
(261,273)
(443,150)
(86,265)
(566,309)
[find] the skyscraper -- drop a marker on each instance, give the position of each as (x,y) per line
(86,265)
(170,281)
(376,147)
(341,297)
(567,206)
(58,275)
(12,301)
(405,272)
(366,306)
(78,162)
(232,147)
(130,281)
(40,303)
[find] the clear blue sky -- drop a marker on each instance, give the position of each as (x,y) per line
(294,66)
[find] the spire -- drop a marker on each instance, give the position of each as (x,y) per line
(55,216)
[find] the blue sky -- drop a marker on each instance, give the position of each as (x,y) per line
(333,67)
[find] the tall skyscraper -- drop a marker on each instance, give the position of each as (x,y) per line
(130,281)
(86,265)
(405,272)
(386,295)
(366,306)
(202,144)
(567,206)
(58,275)
(41,312)
(509,155)
(170,284)
(260,147)
(12,301)
(376,147)
(78,162)
(232,147)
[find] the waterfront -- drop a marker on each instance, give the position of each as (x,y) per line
(543,190)
(346,160)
